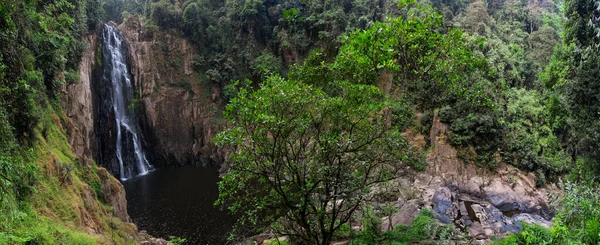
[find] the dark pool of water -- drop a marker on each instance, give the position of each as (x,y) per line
(178,202)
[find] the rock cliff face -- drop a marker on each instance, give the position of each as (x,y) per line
(78,103)
(180,112)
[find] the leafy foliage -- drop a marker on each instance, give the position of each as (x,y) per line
(266,65)
(306,159)
(579,86)
(39,48)
(531,136)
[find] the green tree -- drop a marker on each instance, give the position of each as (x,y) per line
(265,65)
(541,45)
(167,14)
(305,160)
(582,23)
(583,92)
(425,58)
(427,65)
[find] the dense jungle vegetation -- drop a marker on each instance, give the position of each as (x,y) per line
(515,80)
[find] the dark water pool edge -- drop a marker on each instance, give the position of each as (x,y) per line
(178,202)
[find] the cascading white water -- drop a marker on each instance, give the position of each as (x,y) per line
(122,92)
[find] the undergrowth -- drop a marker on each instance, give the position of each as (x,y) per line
(424,229)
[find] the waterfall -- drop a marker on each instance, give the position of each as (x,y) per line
(117,100)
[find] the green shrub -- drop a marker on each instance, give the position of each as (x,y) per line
(166,14)
(176,240)
(176,63)
(71,77)
(276,242)
(21,175)
(426,121)
(266,64)
(531,234)
(531,143)
(447,115)
(97,187)
(579,211)
(402,113)
(576,221)
(345,231)
(424,228)
(371,228)
(198,62)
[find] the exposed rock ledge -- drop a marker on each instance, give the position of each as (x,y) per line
(78,104)
(483,204)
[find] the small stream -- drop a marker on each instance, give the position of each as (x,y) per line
(179,202)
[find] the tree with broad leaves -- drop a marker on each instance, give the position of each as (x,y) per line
(303,161)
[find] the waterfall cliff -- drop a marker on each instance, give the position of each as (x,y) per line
(119,138)
(172,112)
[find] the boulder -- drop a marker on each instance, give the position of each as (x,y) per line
(444,206)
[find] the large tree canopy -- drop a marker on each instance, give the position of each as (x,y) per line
(304,159)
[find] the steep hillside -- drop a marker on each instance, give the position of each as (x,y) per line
(365,121)
(72,200)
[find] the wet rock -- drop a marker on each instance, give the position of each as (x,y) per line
(147,239)
(532,219)
(155,241)
(443,205)
(483,204)
(476,231)
(503,197)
